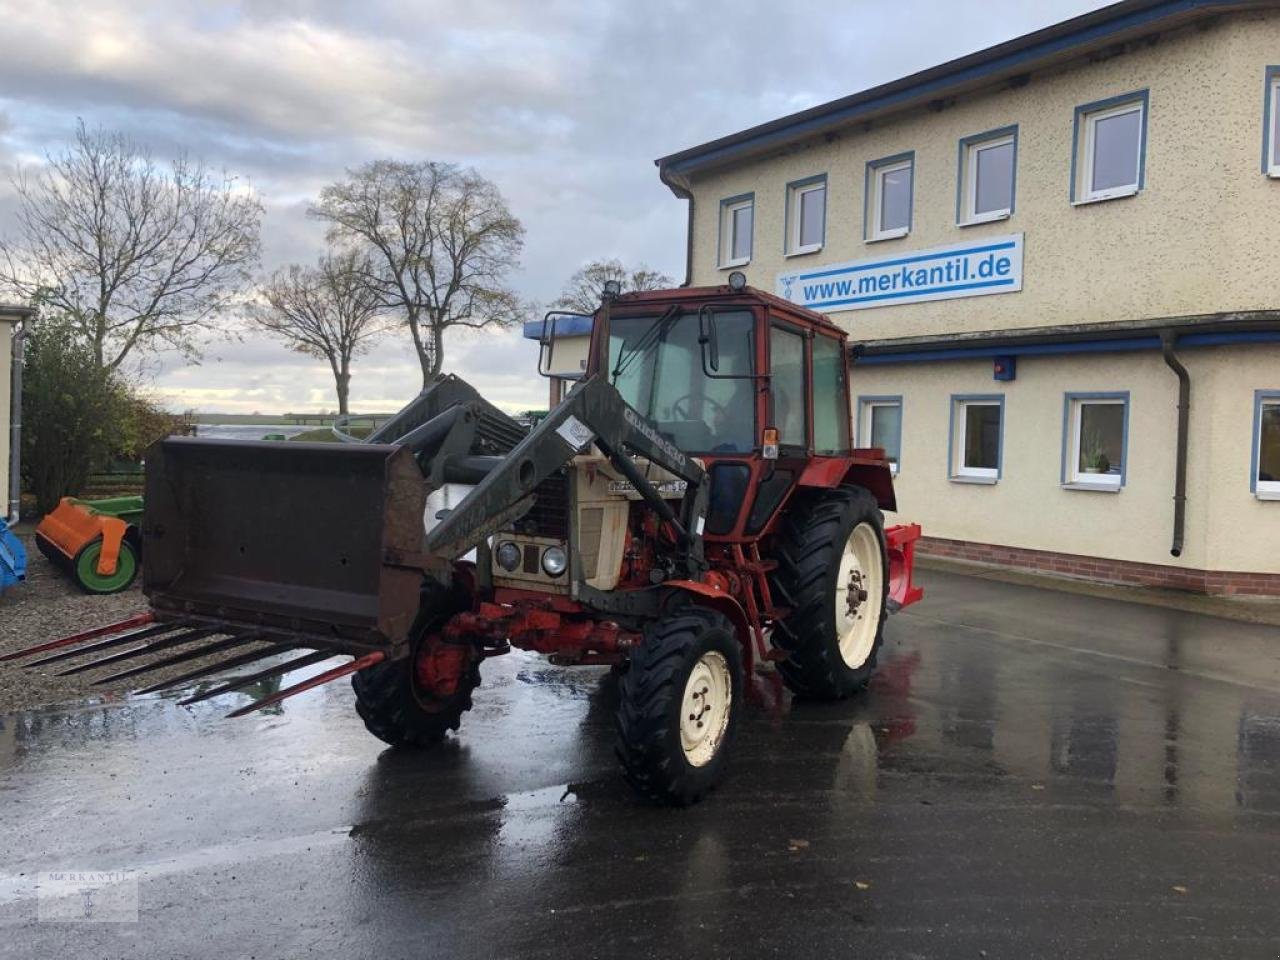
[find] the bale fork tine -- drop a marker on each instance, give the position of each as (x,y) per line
(355,666)
(140,620)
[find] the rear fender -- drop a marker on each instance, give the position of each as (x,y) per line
(826,473)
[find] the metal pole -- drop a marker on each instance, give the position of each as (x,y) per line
(15,424)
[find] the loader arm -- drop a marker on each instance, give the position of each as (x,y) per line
(593,412)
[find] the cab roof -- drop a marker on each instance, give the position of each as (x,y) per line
(579,325)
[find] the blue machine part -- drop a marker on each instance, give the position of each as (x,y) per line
(13,558)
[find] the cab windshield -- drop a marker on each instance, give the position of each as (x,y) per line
(655,361)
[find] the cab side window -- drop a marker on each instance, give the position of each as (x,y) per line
(830,408)
(786,352)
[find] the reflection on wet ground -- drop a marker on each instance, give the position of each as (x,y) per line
(1032,773)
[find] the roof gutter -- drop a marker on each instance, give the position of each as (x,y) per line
(1205,330)
(679,185)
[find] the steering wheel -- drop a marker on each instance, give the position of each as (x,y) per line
(685,414)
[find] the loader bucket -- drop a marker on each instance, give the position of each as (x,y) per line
(320,541)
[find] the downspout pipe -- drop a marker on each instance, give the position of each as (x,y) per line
(1168,341)
(15,423)
(680,187)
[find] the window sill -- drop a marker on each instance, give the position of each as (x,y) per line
(1274,173)
(889,235)
(981,481)
(1267,494)
(803,251)
(1104,197)
(986,218)
(735,264)
(1092,487)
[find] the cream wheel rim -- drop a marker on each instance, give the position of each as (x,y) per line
(704,709)
(859,595)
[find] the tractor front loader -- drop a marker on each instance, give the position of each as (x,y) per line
(691,512)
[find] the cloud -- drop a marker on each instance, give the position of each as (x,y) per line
(563,104)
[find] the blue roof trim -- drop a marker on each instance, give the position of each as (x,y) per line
(826,116)
(567,325)
(1083,346)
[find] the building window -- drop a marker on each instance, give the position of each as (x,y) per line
(976,437)
(737,216)
(987,174)
(830,398)
(880,425)
(1110,148)
(1271,123)
(1266,445)
(806,215)
(888,200)
(1096,441)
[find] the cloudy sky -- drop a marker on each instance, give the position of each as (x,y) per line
(564,105)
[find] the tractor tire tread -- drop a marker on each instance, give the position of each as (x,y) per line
(643,719)
(809,548)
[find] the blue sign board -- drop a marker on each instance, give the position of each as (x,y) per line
(990,265)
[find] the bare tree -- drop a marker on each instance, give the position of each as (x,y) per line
(441,242)
(136,255)
(326,311)
(583,291)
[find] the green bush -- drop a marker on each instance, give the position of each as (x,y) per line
(69,412)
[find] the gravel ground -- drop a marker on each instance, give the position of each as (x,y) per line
(48,606)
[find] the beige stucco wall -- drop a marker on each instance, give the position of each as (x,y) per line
(568,356)
(6,364)
(1227,528)
(1196,240)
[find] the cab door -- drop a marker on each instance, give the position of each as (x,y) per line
(788,411)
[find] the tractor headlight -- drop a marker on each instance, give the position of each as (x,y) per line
(508,556)
(554,560)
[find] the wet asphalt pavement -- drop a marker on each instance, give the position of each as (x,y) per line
(1032,774)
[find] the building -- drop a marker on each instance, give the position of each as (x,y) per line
(1038,249)
(11,319)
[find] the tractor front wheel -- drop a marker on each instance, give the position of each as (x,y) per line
(680,701)
(416,701)
(832,573)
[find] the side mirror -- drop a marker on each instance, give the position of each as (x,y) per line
(707,337)
(546,344)
(547,341)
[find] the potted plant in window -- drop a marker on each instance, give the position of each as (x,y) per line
(1094,455)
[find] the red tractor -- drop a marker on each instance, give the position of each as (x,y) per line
(692,511)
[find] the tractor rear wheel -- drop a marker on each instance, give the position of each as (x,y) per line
(680,701)
(416,701)
(832,574)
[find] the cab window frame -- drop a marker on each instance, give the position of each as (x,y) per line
(804,334)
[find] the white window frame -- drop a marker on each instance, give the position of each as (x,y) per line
(1075,477)
(795,195)
(1273,124)
(959,431)
(875,208)
(969,204)
(1262,489)
(866,408)
(727,210)
(1089,120)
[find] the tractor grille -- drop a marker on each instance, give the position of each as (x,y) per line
(496,434)
(549,515)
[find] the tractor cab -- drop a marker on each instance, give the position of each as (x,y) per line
(750,384)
